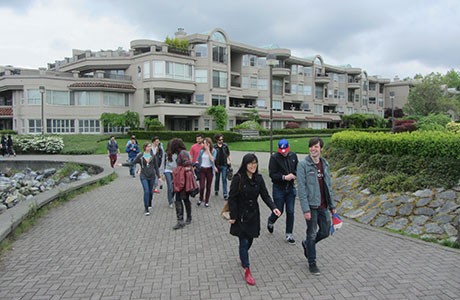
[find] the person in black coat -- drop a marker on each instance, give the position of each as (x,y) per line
(246,187)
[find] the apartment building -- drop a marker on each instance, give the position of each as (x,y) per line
(176,86)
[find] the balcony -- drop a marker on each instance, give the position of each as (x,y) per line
(322,79)
(353,84)
(281,72)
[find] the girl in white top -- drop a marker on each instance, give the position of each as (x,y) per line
(206,159)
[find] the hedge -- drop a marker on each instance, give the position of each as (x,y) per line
(429,144)
(186,136)
(311,131)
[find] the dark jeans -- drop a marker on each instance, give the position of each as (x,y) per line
(245,245)
(221,171)
(147,185)
(205,182)
(318,228)
(284,196)
(169,183)
(132,169)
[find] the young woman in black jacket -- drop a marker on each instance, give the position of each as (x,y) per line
(246,187)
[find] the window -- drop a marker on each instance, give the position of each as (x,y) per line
(300,89)
(245,82)
(356,98)
(159,69)
(341,94)
(305,106)
(372,86)
(277,87)
(261,103)
(249,60)
(60,126)
(195,125)
(318,92)
(87,98)
(206,124)
(218,37)
(307,90)
(349,110)
(35,126)
(201,76)
(219,100)
(293,89)
(219,54)
(201,50)
(341,78)
(372,100)
(381,102)
(57,97)
(178,71)
(33,97)
(88,126)
(277,105)
(364,100)
(219,79)
(146,70)
(262,84)
(199,99)
(294,70)
(307,71)
(318,109)
(336,94)
(114,99)
(253,81)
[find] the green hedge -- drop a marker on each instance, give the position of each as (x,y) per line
(310,131)
(429,144)
(186,136)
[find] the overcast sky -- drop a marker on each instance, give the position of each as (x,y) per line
(386,38)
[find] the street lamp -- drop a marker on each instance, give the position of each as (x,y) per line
(392,98)
(271,61)
(42,92)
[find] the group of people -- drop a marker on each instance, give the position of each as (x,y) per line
(6,146)
(308,179)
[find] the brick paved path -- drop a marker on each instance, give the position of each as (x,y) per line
(101,246)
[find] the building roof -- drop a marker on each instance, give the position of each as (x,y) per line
(6,111)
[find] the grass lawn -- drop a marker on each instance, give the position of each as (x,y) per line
(96,144)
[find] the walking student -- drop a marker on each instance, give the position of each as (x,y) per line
(282,170)
(132,148)
(246,187)
(223,159)
(158,152)
(206,159)
(149,173)
(112,150)
(170,165)
(316,199)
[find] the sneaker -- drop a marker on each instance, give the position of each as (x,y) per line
(314,269)
(179,225)
(206,204)
(198,203)
(305,249)
(216,193)
(270,226)
(225,198)
(156,191)
(150,207)
(290,239)
(147,213)
(170,205)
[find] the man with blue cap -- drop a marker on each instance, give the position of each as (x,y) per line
(282,170)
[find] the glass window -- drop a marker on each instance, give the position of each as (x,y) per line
(293,88)
(33,97)
(307,90)
(318,92)
(219,100)
(219,54)
(60,126)
(262,84)
(146,70)
(199,99)
(201,50)
(261,103)
(35,126)
(318,109)
(218,37)
(88,126)
(178,71)
(372,86)
(57,97)
(277,87)
(114,99)
(158,69)
(245,82)
(372,100)
(201,76)
(381,102)
(253,82)
(87,98)
(219,79)
(277,105)
(341,94)
(307,71)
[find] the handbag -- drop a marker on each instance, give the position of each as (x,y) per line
(229,173)
(225,212)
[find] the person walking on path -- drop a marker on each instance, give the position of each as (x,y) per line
(282,169)
(158,152)
(170,165)
(246,187)
(184,162)
(195,151)
(9,146)
(223,159)
(3,146)
(148,174)
(132,148)
(316,198)
(206,159)
(112,150)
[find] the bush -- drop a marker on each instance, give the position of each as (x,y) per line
(433,122)
(186,136)
(453,127)
(249,125)
(38,144)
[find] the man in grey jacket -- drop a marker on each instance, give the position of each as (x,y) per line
(316,199)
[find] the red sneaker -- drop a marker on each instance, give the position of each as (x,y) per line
(156,191)
(248,277)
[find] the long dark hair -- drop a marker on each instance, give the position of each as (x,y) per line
(177,145)
(169,154)
(248,158)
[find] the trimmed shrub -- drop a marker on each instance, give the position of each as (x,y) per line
(38,144)
(186,136)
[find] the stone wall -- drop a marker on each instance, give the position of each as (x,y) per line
(428,214)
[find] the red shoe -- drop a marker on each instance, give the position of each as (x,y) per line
(156,191)
(248,277)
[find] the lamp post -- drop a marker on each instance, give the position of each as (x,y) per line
(392,98)
(42,92)
(271,61)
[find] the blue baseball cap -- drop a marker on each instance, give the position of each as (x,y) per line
(283,146)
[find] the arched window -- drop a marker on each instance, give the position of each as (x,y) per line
(218,37)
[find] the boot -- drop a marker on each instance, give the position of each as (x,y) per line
(248,277)
(180,216)
(188,210)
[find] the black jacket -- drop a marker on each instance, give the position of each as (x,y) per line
(148,170)
(243,205)
(280,166)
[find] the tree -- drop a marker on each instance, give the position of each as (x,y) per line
(426,97)
(126,119)
(220,116)
(131,119)
(452,79)
(252,115)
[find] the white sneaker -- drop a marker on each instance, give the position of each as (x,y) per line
(147,213)
(290,239)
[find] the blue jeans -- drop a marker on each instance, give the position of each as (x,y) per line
(169,183)
(147,185)
(284,196)
(132,169)
(245,245)
(318,228)
(221,170)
